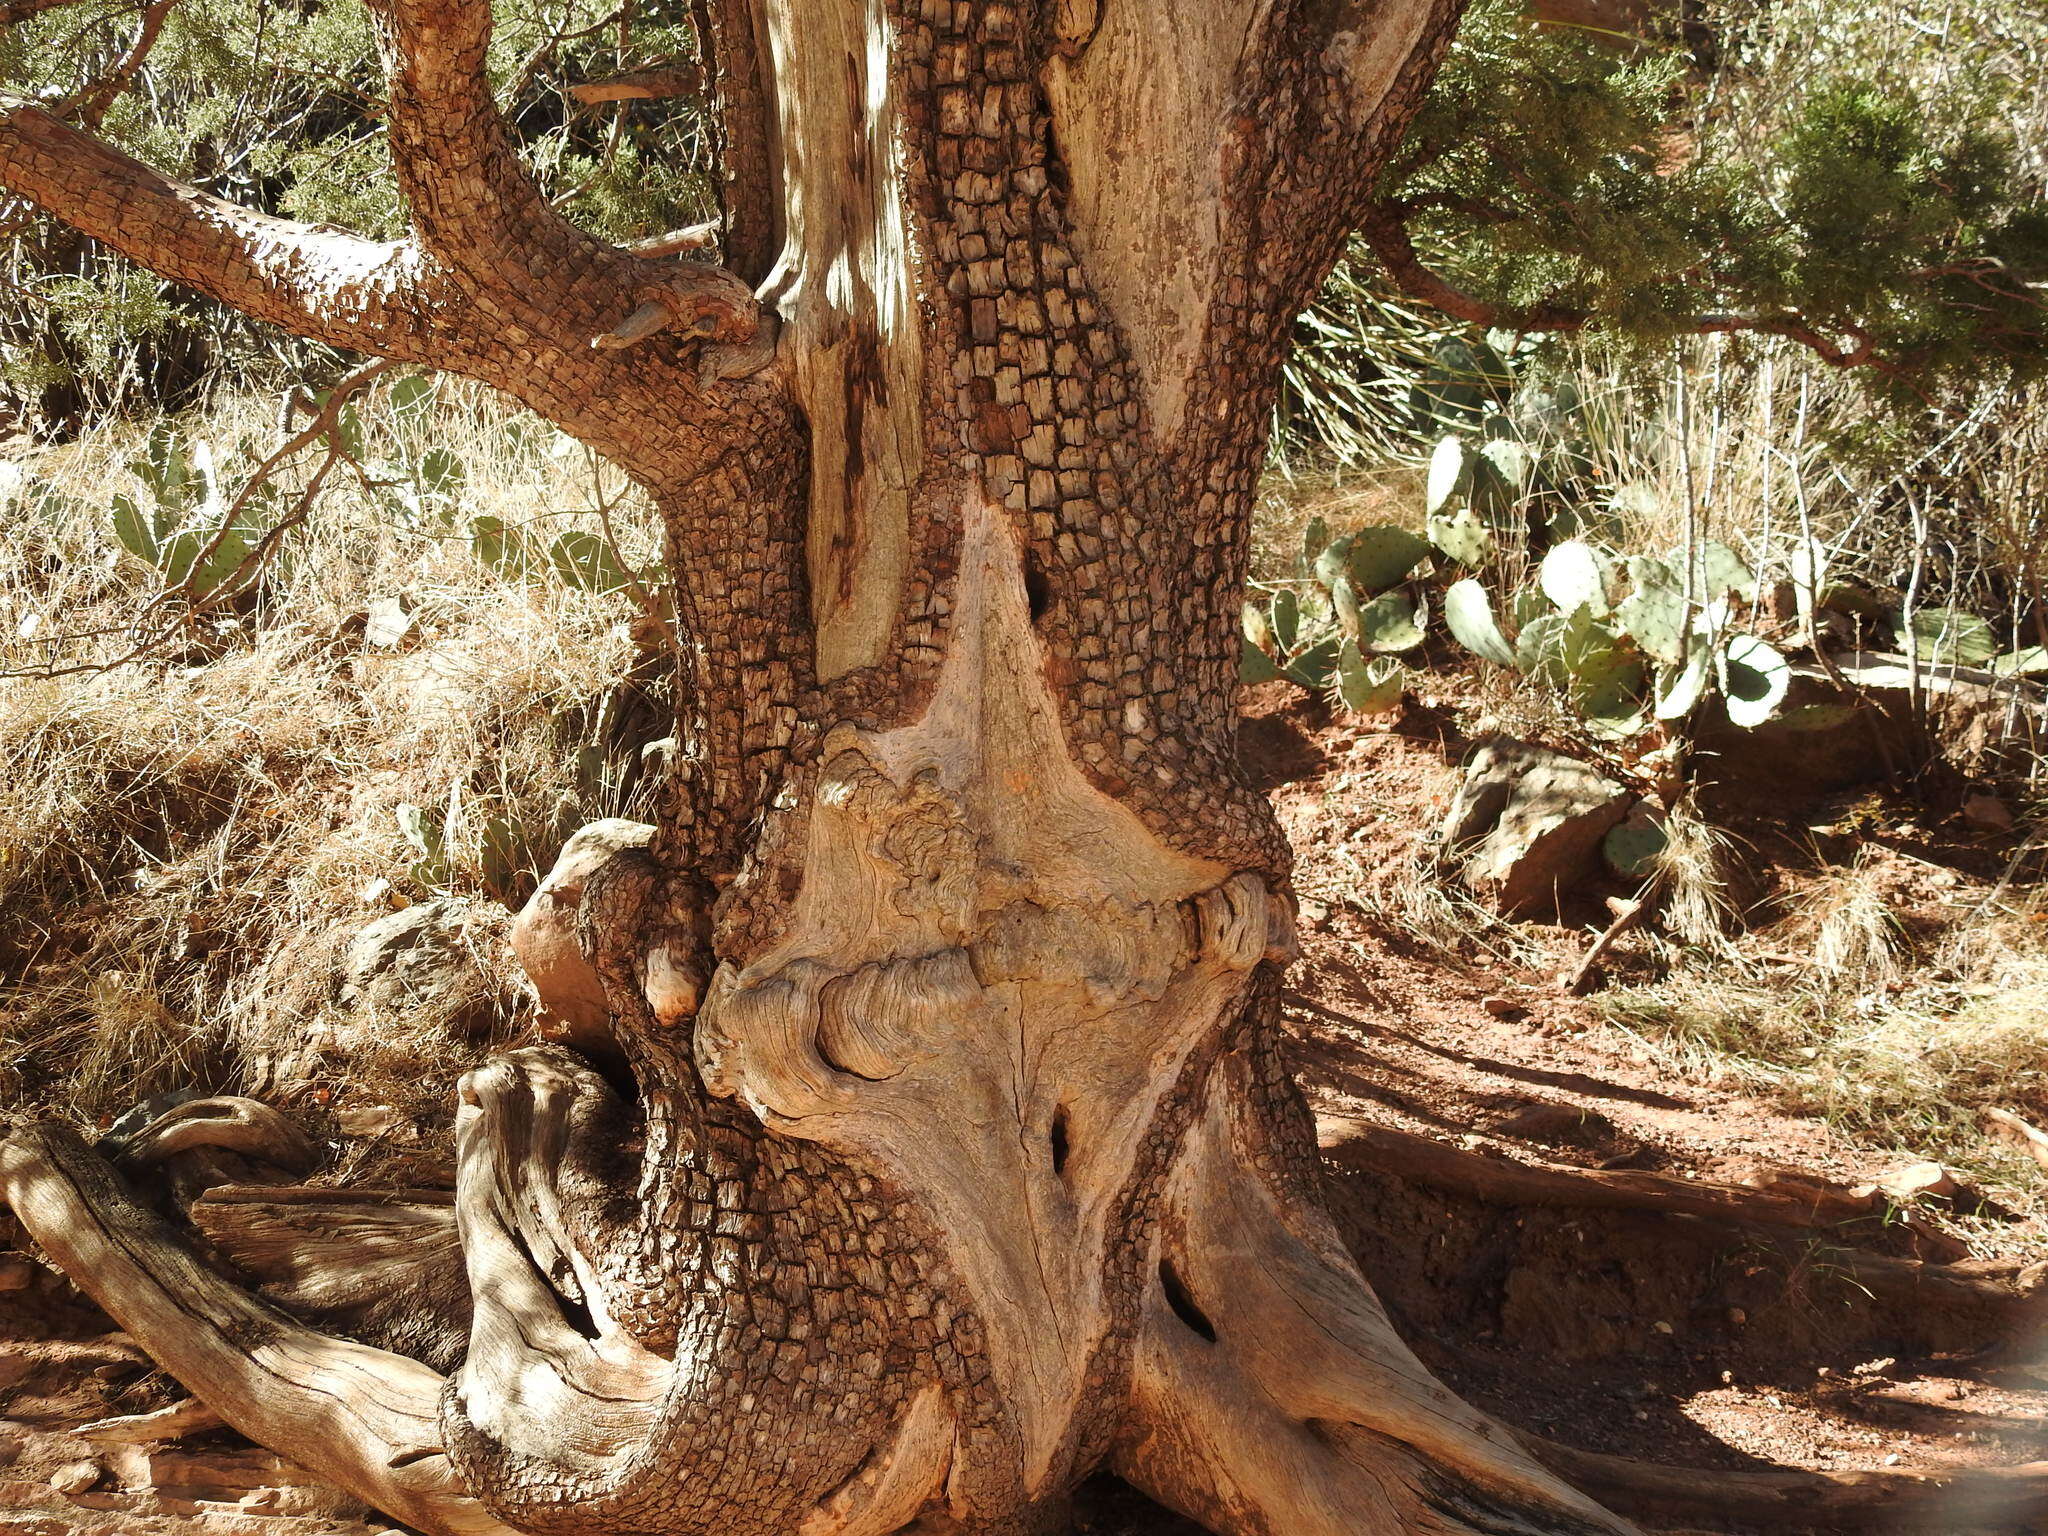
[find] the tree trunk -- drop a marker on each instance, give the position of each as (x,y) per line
(936,1150)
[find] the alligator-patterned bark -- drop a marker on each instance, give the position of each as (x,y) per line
(930,1147)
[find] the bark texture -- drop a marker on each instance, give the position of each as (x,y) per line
(913,1139)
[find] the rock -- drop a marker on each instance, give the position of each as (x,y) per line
(1557,1124)
(1527,824)
(1856,726)
(572,1005)
(423,963)
(1987,813)
(75,1476)
(1503,1007)
(16,1273)
(1922,1181)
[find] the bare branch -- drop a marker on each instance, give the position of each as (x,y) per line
(641,85)
(93,102)
(316,281)
(19,11)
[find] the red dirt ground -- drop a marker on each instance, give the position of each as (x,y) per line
(1637,1333)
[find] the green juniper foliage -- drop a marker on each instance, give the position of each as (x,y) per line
(279,107)
(1882,209)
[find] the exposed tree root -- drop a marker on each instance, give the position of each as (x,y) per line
(383,1266)
(365,1419)
(1273,1394)
(1929,1499)
(1370,1148)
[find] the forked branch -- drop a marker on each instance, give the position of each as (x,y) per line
(371,296)
(474,204)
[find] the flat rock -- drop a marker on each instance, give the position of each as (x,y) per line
(423,963)
(1526,824)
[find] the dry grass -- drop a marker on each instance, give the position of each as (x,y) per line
(1840,1011)
(176,830)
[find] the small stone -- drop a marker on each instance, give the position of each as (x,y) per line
(1922,1181)
(1987,813)
(1737,1317)
(1665,1328)
(1503,1007)
(16,1273)
(75,1476)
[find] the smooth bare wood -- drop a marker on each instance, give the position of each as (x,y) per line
(847,296)
(190,1417)
(640,85)
(382,1266)
(1275,1395)
(365,1419)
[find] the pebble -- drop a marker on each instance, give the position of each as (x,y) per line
(75,1476)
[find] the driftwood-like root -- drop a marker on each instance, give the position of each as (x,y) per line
(380,1265)
(1271,1392)
(1951,1498)
(364,1419)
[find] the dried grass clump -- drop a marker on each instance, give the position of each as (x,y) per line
(187,837)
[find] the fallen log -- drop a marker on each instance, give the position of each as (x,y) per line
(1931,1498)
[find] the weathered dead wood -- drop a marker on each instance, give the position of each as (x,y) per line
(1273,1393)
(245,1126)
(2011,1128)
(382,1266)
(1360,1144)
(360,1417)
(550,1378)
(1929,1498)
(190,1417)
(640,85)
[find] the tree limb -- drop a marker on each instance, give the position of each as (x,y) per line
(641,85)
(368,296)
(747,194)
(474,205)
(1382,230)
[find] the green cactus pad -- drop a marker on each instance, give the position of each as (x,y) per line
(1463,537)
(1450,475)
(1369,686)
(1680,688)
(1390,624)
(1754,678)
(1381,556)
(1313,666)
(1255,666)
(1574,576)
(1632,848)
(1468,613)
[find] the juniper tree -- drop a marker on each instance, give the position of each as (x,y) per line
(930,1145)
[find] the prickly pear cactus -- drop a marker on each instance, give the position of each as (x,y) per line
(1381,556)
(1390,624)
(1654,612)
(1468,612)
(1462,536)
